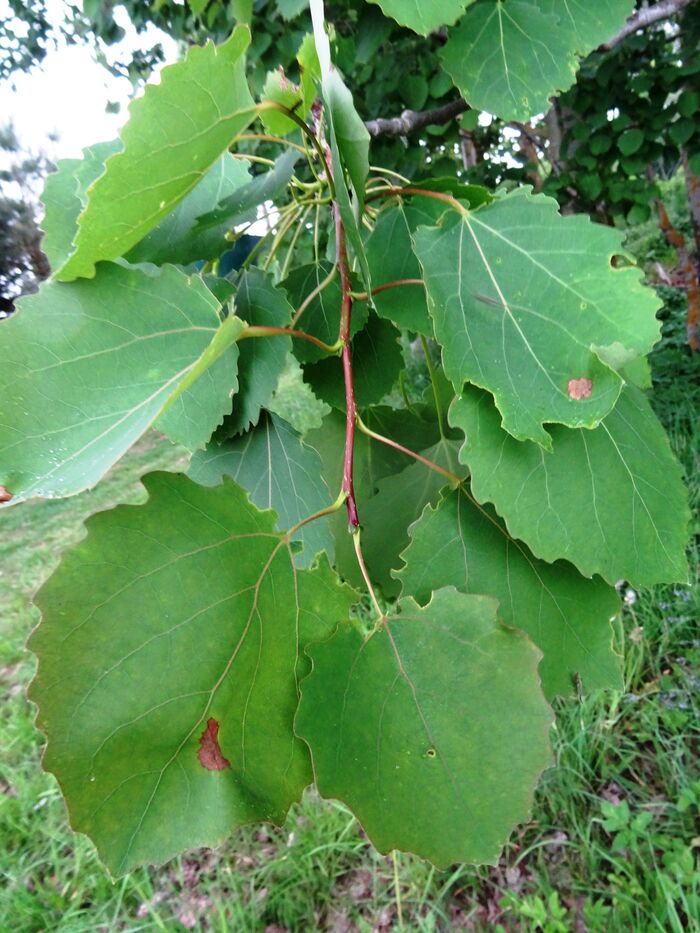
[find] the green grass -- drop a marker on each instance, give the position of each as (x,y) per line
(612,844)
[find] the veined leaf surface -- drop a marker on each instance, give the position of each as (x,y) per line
(568,617)
(590,24)
(168,704)
(86,367)
(167,150)
(280,472)
(262,359)
(611,500)
(526,304)
(176,238)
(433,730)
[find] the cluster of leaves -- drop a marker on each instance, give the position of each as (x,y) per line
(200,657)
(633,111)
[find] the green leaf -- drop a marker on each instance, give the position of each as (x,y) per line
(279,89)
(349,131)
(309,68)
(507,57)
(630,141)
(349,149)
(611,500)
(65,195)
(398,502)
(239,207)
(472,195)
(80,382)
(61,203)
(321,317)
(423,17)
(291,8)
(323,602)
(242,10)
(589,24)
(168,704)
(414,91)
(377,362)
(166,151)
(433,730)
(280,472)
(599,144)
(198,405)
(298,98)
(568,617)
(688,104)
(372,462)
(526,304)
(391,259)
(681,131)
(262,359)
(175,239)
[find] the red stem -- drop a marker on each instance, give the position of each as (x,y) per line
(344,336)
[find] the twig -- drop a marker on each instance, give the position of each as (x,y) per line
(647,16)
(411,121)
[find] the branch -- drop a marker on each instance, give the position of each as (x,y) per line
(411,121)
(647,17)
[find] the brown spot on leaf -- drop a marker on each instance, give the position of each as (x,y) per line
(5,494)
(579,388)
(209,753)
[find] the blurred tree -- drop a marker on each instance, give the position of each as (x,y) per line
(22,263)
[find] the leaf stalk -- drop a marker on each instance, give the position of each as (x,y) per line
(264,331)
(452,477)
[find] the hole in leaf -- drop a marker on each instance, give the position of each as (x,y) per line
(431,753)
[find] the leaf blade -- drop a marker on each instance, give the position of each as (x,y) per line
(568,617)
(627,518)
(121,209)
(133,728)
(280,472)
(402,731)
(525,302)
(81,384)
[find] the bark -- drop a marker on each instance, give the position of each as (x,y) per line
(688,270)
(645,17)
(692,184)
(411,121)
